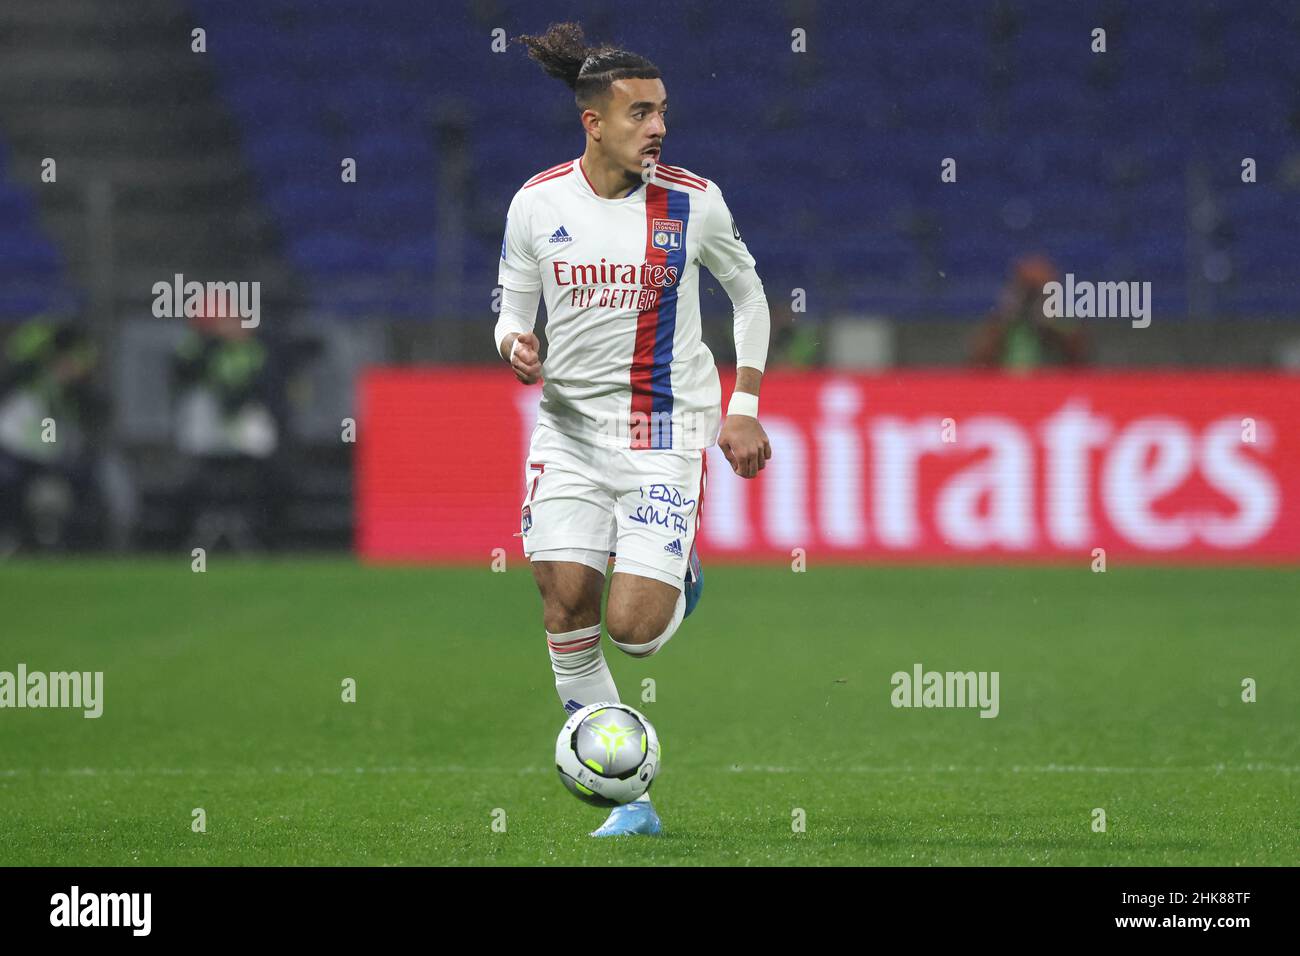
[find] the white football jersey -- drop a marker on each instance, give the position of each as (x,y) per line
(626,365)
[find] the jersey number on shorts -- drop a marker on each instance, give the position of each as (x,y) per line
(540,468)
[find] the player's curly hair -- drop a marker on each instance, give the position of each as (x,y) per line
(564,53)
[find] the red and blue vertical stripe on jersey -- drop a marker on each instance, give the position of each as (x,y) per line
(651,377)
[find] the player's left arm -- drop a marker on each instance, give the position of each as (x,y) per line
(742,438)
(725,254)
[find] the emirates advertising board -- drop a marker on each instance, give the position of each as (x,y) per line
(936,466)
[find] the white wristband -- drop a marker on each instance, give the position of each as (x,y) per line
(743,403)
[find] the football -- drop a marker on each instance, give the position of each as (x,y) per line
(607,754)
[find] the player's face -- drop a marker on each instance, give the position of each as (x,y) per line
(636,122)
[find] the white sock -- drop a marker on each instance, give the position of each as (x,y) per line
(581,674)
(645,650)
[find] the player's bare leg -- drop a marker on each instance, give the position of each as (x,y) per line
(642,613)
(571,594)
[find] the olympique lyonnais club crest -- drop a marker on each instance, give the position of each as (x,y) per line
(666,234)
(526,519)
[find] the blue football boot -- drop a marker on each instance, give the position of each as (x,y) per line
(637,818)
(694,581)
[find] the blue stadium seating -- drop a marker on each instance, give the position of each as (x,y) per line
(32,271)
(829,159)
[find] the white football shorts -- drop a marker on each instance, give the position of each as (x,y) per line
(585,502)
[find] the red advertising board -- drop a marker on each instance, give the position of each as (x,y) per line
(1162,466)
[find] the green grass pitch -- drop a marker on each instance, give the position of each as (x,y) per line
(222,691)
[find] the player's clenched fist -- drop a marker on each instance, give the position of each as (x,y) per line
(745,444)
(524,358)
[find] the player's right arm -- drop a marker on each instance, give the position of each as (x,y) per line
(521,292)
(520,349)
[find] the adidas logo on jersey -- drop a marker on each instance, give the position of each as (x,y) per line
(561,235)
(675,548)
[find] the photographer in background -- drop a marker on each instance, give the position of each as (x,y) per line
(1018,336)
(51,416)
(228,405)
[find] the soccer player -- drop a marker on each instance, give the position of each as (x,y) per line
(630,397)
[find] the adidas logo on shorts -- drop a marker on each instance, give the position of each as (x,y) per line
(675,548)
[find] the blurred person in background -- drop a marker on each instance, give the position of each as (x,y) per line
(1017,336)
(795,344)
(228,407)
(54,492)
